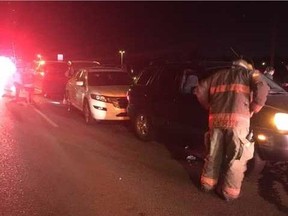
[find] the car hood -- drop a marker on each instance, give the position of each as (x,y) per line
(278,102)
(111,91)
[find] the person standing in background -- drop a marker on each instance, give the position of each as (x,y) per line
(28,82)
(18,82)
(269,72)
(24,80)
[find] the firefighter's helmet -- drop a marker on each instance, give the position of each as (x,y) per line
(243,63)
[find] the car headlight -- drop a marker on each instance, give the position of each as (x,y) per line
(98,97)
(101,98)
(281,121)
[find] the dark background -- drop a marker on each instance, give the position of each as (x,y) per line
(145,30)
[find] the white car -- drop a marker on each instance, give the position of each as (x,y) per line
(99,92)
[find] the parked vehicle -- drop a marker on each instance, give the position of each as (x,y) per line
(161,98)
(270,128)
(50,78)
(99,92)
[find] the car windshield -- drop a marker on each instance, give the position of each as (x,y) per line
(274,87)
(57,68)
(108,78)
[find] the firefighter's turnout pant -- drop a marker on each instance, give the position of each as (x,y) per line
(226,160)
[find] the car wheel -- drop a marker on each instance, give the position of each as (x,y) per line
(87,113)
(255,166)
(143,127)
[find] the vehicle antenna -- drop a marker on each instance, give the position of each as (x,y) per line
(235,53)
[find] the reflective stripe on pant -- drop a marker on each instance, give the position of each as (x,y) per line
(225,146)
(213,160)
(208,182)
(235,173)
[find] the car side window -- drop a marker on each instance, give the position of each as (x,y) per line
(82,76)
(189,81)
(167,80)
(79,75)
(145,76)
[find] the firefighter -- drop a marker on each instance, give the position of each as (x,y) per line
(232,96)
(18,82)
(28,82)
(24,81)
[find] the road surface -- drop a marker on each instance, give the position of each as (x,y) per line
(51,163)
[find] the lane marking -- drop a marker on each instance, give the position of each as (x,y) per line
(45,117)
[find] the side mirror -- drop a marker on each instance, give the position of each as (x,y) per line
(79,83)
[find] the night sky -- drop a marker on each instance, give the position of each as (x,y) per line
(100,29)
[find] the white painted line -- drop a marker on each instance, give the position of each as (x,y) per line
(45,117)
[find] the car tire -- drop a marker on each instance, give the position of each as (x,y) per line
(255,166)
(142,126)
(87,114)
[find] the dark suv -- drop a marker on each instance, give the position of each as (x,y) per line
(50,77)
(161,97)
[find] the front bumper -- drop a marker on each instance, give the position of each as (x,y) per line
(272,145)
(107,111)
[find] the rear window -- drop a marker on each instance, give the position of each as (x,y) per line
(55,68)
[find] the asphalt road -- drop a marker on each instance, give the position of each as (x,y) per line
(51,163)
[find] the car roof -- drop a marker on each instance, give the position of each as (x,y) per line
(104,69)
(55,62)
(83,61)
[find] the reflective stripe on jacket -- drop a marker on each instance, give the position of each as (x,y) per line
(231,95)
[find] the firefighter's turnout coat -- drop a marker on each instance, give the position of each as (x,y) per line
(231,96)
